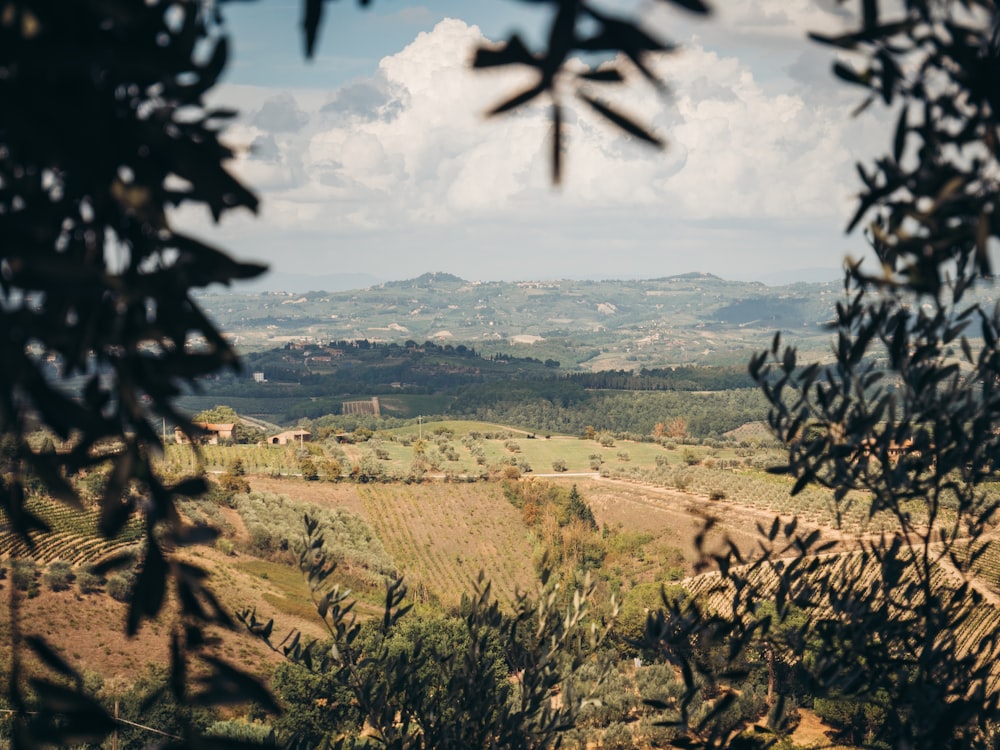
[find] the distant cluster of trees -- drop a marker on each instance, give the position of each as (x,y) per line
(565,406)
(665,379)
(529,392)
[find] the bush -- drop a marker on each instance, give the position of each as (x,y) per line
(309,471)
(23,574)
(59,576)
(121,586)
(232,482)
(559,465)
(225,546)
(260,540)
(87,581)
(332,470)
(239,729)
(682,479)
(511,472)
(618,737)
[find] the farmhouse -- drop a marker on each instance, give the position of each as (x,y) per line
(290,436)
(214,432)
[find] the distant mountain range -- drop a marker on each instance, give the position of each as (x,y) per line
(693,318)
(684,319)
(299,283)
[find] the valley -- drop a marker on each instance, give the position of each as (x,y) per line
(618,449)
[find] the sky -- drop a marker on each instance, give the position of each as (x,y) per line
(376,158)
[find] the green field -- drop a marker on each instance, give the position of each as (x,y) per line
(448,447)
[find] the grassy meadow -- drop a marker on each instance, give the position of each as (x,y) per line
(464,448)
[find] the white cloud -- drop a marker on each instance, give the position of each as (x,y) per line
(409,147)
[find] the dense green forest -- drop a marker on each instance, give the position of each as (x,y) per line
(568,408)
(521,391)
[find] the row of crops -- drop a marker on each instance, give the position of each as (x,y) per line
(73,535)
(256,459)
(974,635)
(814,505)
(442,536)
(987,565)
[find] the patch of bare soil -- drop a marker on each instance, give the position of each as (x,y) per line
(674,517)
(88,630)
(811,731)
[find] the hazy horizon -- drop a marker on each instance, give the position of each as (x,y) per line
(295,283)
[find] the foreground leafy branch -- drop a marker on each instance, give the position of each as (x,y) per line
(501,680)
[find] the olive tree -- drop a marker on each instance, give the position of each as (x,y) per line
(103,130)
(905,419)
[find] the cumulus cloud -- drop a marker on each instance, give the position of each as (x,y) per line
(409,146)
(414,137)
(280,114)
(370,99)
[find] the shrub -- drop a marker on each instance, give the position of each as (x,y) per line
(511,472)
(332,470)
(225,546)
(240,729)
(617,737)
(59,576)
(559,465)
(309,471)
(23,574)
(260,539)
(682,479)
(87,581)
(232,482)
(121,585)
